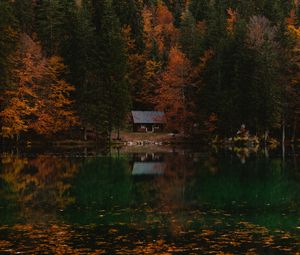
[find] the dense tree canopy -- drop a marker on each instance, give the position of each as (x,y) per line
(89,62)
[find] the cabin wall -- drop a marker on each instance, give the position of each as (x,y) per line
(148,128)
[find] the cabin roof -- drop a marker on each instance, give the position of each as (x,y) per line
(148,117)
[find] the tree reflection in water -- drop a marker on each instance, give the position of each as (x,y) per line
(195,205)
(39,184)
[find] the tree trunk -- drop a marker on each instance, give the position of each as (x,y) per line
(118,137)
(17,138)
(266,136)
(109,137)
(85,134)
(266,151)
(283,140)
(294,131)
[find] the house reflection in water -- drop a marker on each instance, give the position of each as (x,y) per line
(148,165)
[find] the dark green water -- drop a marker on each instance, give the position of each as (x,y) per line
(149,203)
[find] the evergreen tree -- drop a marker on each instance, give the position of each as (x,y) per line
(266,90)
(177,8)
(55,20)
(190,37)
(82,63)
(112,94)
(200,9)
(8,45)
(25,13)
(49,24)
(129,14)
(8,41)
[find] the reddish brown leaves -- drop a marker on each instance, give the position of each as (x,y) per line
(171,92)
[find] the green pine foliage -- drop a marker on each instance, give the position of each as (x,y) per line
(8,41)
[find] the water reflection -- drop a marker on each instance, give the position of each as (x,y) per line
(148,164)
(146,202)
(34,189)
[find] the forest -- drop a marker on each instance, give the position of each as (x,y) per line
(210,64)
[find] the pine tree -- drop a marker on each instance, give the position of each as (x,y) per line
(83,63)
(113,92)
(292,111)
(135,68)
(55,21)
(200,9)
(49,25)
(8,45)
(190,37)
(25,13)
(8,41)
(177,8)
(266,90)
(129,14)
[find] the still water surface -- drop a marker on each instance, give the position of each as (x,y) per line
(167,202)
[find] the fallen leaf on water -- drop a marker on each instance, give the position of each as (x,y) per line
(113,230)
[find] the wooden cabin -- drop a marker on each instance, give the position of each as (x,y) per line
(148,121)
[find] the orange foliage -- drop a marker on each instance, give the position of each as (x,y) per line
(127,37)
(39,99)
(159,28)
(291,20)
(22,97)
(171,92)
(151,72)
(54,112)
(231,20)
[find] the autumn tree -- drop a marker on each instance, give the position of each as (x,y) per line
(21,98)
(160,35)
(172,92)
(39,98)
(54,111)
(159,29)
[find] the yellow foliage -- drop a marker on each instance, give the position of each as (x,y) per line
(151,69)
(295,31)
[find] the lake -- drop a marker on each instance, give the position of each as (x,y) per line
(149,201)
